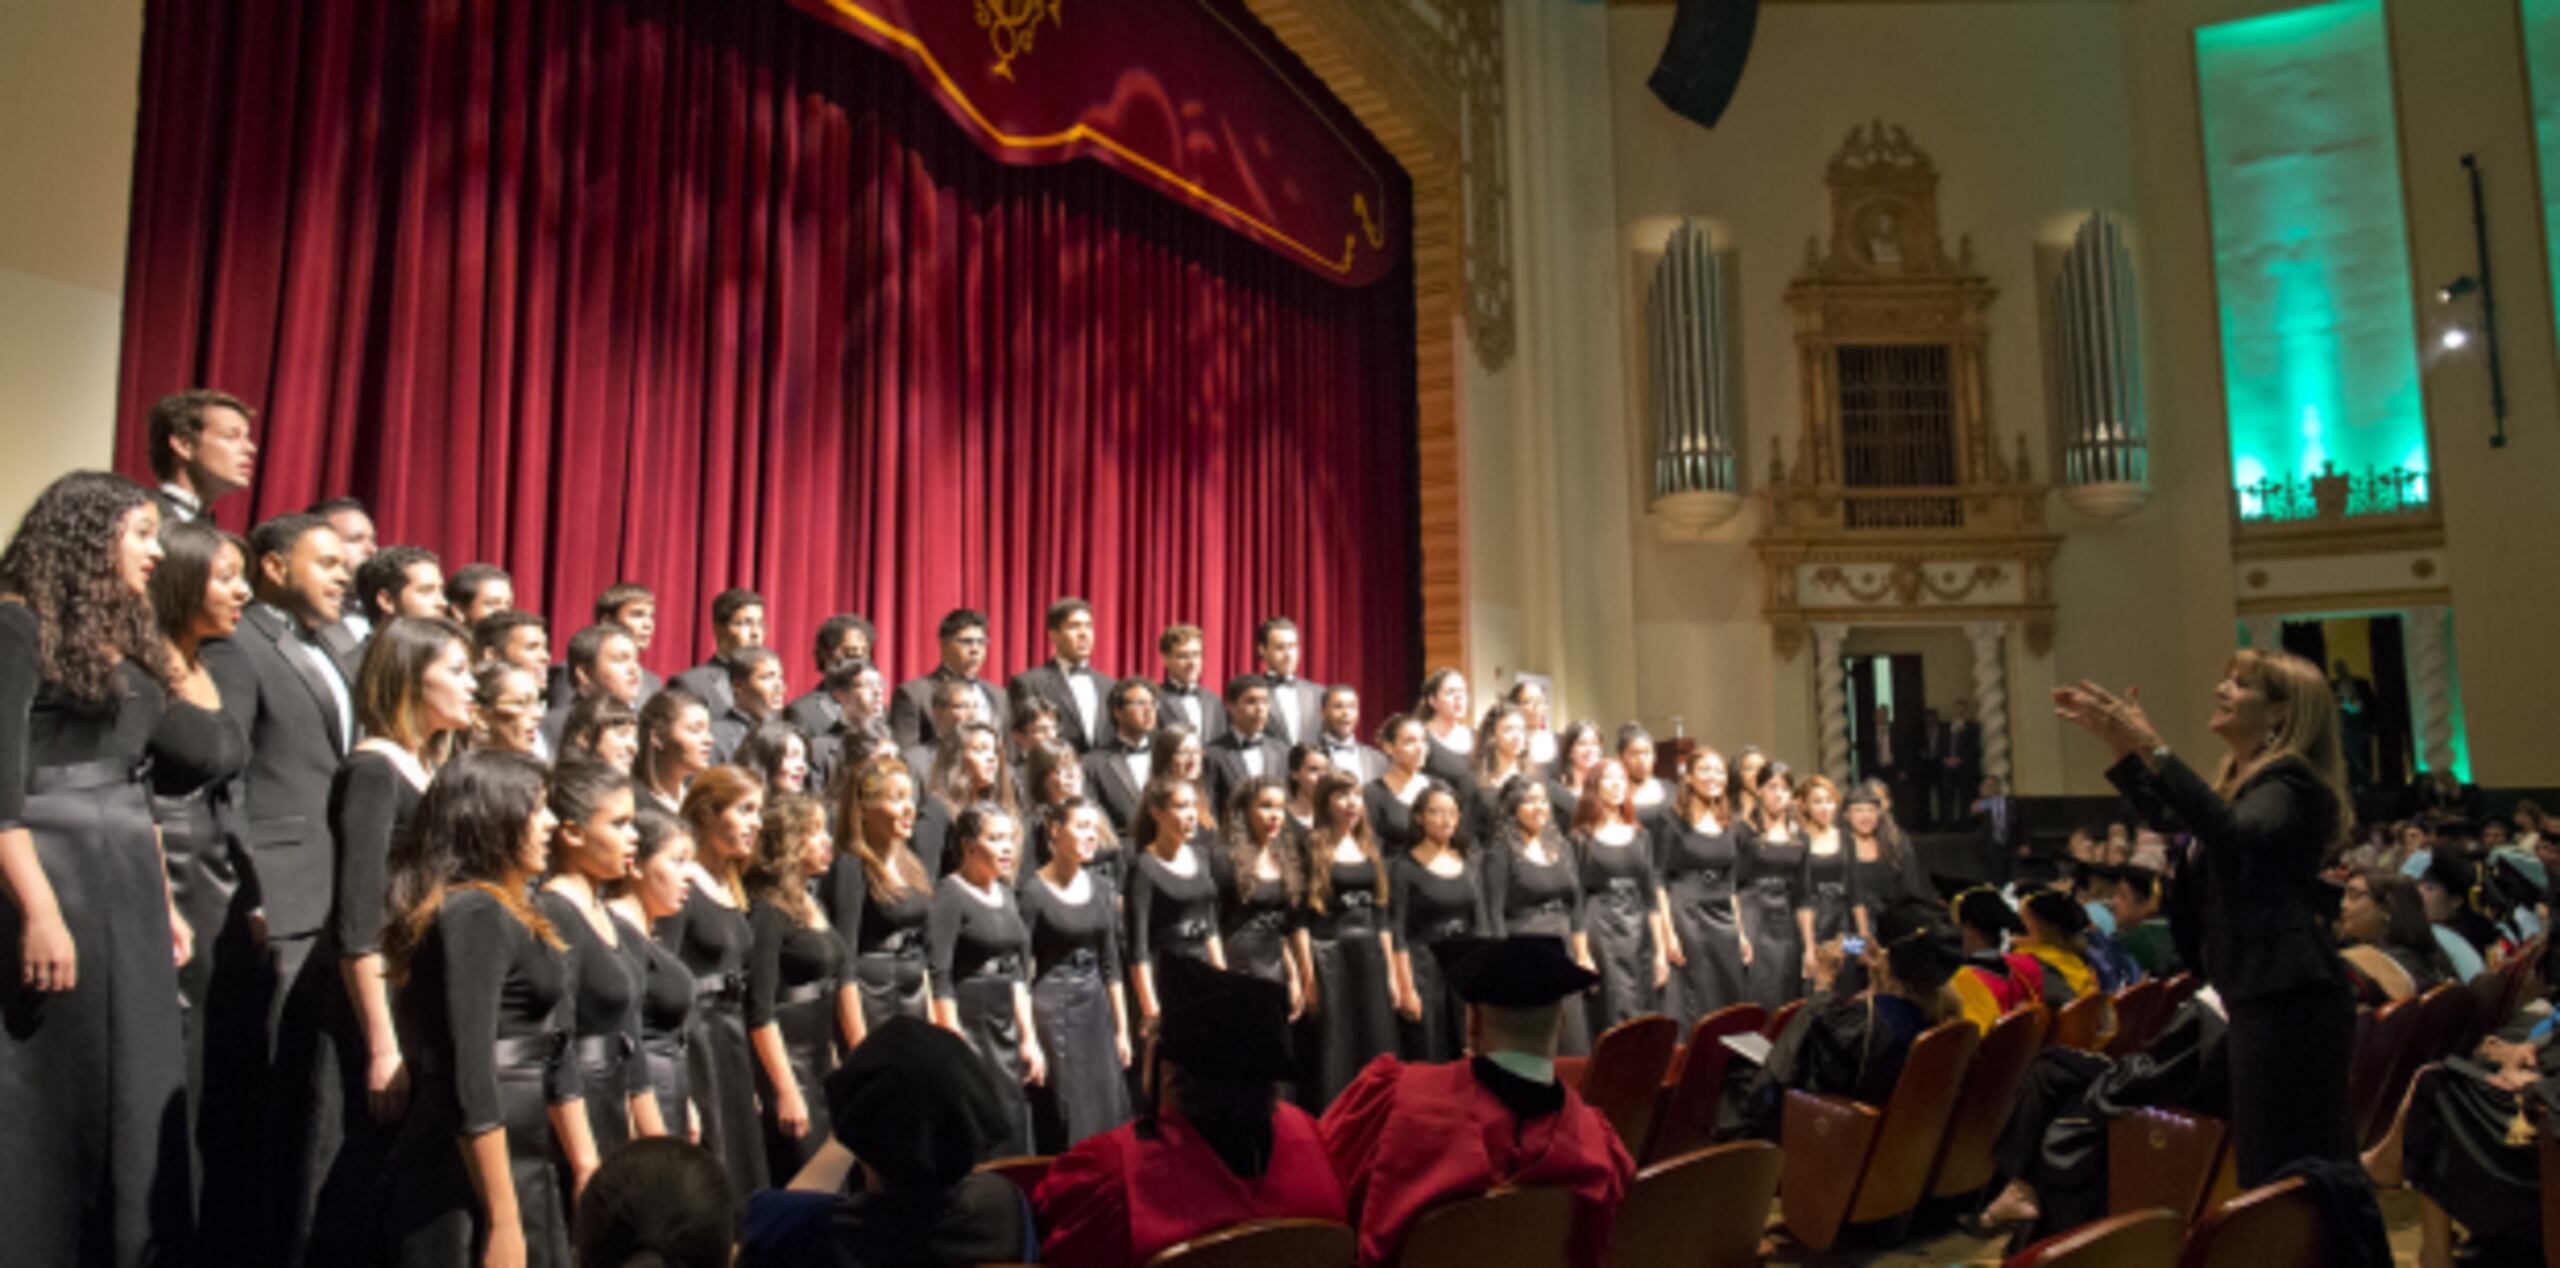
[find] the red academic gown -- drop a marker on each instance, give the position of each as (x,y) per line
(1117,1200)
(1407,1138)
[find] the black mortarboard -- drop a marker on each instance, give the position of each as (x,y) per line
(913,1102)
(2059,910)
(1514,972)
(1985,910)
(1233,1025)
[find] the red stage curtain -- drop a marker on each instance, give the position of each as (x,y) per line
(711,294)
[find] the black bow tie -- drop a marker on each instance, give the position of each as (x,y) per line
(1282,680)
(1140,749)
(1181,693)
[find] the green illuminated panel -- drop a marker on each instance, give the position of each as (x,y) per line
(2541,22)
(2310,250)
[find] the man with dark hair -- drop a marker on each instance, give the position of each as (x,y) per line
(737,621)
(1069,680)
(602,661)
(756,693)
(345,637)
(514,637)
(1295,702)
(1340,738)
(956,703)
(861,699)
(1180,697)
(478,590)
(392,582)
(963,638)
(201,450)
(353,524)
(1407,1138)
(1248,751)
(1116,772)
(629,605)
(842,640)
(292,702)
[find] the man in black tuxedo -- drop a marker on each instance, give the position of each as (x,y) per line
(1115,774)
(1340,738)
(1069,680)
(859,696)
(603,661)
(201,450)
(756,693)
(1295,702)
(963,639)
(477,592)
(396,581)
(737,620)
(956,703)
(345,637)
(842,639)
(297,709)
(1181,697)
(629,605)
(1248,751)
(2000,825)
(1888,757)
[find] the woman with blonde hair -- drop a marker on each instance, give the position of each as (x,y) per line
(2264,826)
(792,974)
(878,896)
(724,806)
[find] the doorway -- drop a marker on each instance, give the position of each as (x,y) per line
(1888,700)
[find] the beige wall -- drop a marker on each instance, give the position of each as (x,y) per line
(68,70)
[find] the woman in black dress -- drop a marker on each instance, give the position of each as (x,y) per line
(1834,909)
(1052,775)
(1343,944)
(792,976)
(1501,754)
(1531,886)
(2262,829)
(725,807)
(1261,880)
(877,894)
(508,712)
(1178,752)
(605,729)
(1748,762)
(1625,917)
(1648,790)
(777,753)
(968,768)
(1884,870)
(339,1042)
(979,953)
(1701,858)
(1578,755)
(1450,742)
(675,745)
(198,593)
(1772,886)
(1078,1008)
(1432,897)
(485,1014)
(661,864)
(92,1063)
(1391,796)
(1529,696)
(1173,895)
(592,848)
(1307,766)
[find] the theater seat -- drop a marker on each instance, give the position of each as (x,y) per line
(1848,1163)
(1026,1171)
(1265,1244)
(2164,1159)
(2140,1239)
(1990,1091)
(1778,1020)
(2140,1010)
(1624,1080)
(1688,1117)
(2277,1226)
(2370,1104)
(1517,1228)
(1705,1209)
(2082,1023)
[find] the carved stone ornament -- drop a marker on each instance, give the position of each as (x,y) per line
(1909,581)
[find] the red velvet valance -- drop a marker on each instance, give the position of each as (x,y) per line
(1193,97)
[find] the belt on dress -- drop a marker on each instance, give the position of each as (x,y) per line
(905,944)
(996,968)
(1548,907)
(1193,930)
(803,993)
(1445,930)
(1359,900)
(1265,921)
(516,1050)
(605,1051)
(731,987)
(86,776)
(1080,960)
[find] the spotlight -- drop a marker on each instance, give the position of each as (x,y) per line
(2455,337)
(2456,289)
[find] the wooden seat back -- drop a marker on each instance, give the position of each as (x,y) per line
(2136,1239)
(2164,1159)
(1265,1244)
(1778,1020)
(1026,1171)
(1982,1107)
(1848,1163)
(2277,1226)
(1624,1081)
(2082,1023)
(2378,1050)
(1705,1209)
(2140,1010)
(1687,1120)
(2181,987)
(1531,1228)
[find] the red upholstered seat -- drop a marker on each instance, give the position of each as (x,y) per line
(1848,1163)
(2163,1159)
(1982,1106)
(2274,1227)
(1688,1116)
(1705,1209)
(2138,1239)
(1529,1228)
(1265,1244)
(1624,1080)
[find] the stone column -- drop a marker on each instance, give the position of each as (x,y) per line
(1991,698)
(2430,686)
(1831,698)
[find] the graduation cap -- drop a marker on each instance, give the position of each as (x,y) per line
(913,1102)
(2059,911)
(1984,910)
(1233,1025)
(1515,972)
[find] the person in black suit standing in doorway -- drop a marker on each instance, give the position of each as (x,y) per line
(1069,680)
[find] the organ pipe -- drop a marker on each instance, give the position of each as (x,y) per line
(1691,347)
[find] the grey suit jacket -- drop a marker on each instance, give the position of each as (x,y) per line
(911,709)
(1107,781)
(1049,683)
(710,681)
(1226,770)
(1310,698)
(295,742)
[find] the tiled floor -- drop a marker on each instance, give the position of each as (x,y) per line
(2399,1213)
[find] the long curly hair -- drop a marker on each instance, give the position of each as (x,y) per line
(62,565)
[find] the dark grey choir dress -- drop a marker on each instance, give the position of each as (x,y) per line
(1828,891)
(607,1016)
(335,1150)
(883,936)
(1698,871)
(1542,899)
(485,1018)
(978,952)
(1447,764)
(1424,910)
(196,758)
(791,985)
(1171,914)
(1893,875)
(1255,917)
(714,940)
(1391,817)
(1075,954)
(1772,889)
(666,1007)
(93,1168)
(1355,1014)
(1619,889)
